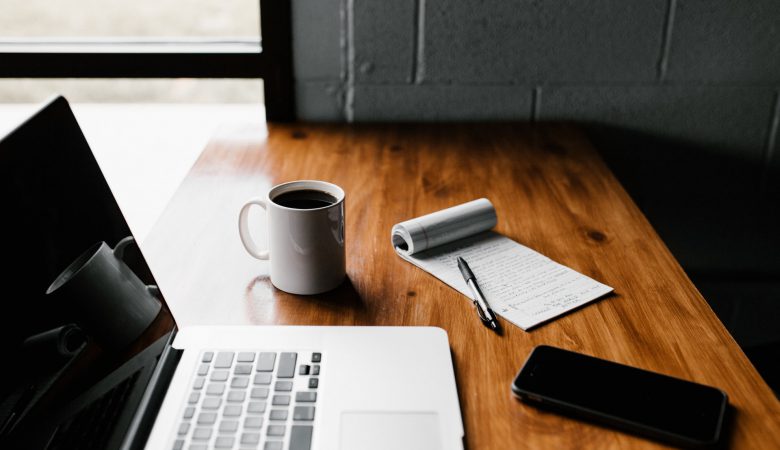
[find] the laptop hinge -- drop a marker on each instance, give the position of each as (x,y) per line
(141,425)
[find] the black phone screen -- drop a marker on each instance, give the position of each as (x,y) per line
(657,404)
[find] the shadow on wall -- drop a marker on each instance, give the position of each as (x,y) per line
(719,214)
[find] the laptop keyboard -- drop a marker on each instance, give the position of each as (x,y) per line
(251,400)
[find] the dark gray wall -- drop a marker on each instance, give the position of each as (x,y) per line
(680,95)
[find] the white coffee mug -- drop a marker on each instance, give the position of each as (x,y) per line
(305,238)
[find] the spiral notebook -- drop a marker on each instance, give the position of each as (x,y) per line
(522,285)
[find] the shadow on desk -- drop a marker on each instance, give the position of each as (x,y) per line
(717,208)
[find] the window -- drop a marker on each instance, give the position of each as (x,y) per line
(105,19)
(225,39)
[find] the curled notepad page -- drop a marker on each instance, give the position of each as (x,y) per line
(445,226)
(522,285)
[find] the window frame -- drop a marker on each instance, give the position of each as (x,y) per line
(269,58)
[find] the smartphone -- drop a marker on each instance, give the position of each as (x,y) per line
(657,406)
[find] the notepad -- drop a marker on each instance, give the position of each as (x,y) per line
(522,285)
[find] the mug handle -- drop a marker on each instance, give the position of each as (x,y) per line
(119,253)
(243,229)
(119,249)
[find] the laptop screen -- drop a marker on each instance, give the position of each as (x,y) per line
(74,307)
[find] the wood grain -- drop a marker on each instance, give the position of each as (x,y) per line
(552,193)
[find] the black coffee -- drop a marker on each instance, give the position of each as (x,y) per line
(305,199)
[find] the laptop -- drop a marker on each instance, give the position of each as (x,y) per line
(257,387)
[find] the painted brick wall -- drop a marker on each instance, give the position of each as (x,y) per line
(680,95)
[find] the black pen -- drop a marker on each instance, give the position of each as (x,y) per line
(483,309)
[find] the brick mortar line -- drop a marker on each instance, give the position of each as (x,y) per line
(349,54)
(536,98)
(418,59)
(666,40)
(771,140)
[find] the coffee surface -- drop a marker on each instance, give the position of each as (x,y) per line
(304,199)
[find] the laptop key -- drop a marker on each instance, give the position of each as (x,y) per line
(215,389)
(219,375)
(243,369)
(228,426)
(239,382)
(303,413)
(184,428)
(207,357)
(211,403)
(198,447)
(260,392)
(224,360)
(178,445)
(207,418)
(275,430)
(306,397)
(253,422)
(236,396)
(281,400)
(265,362)
(262,378)
(286,365)
(232,410)
(194,397)
(303,369)
(246,357)
(224,442)
(256,407)
(250,438)
(201,434)
(199,382)
(278,414)
(189,412)
(314,383)
(315,370)
(203,369)
(283,386)
(273,445)
(316,357)
(300,437)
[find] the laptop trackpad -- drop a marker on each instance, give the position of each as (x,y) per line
(390,430)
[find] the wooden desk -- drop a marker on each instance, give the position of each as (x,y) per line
(552,193)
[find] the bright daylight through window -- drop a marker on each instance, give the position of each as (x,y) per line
(141,26)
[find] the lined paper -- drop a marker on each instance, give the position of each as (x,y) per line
(520,284)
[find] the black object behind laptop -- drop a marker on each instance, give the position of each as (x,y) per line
(646,403)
